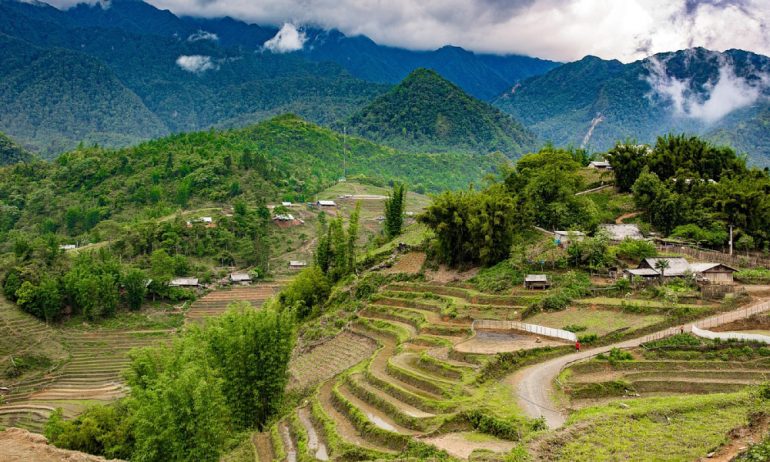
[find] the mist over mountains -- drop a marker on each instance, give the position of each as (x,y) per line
(124,71)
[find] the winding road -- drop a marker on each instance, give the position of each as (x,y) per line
(535,385)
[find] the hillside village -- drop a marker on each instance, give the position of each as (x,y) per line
(417,358)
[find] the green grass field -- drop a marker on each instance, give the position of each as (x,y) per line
(596,321)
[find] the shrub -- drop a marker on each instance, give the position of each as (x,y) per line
(306,292)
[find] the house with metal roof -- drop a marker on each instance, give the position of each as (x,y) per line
(536,281)
(714,273)
(183,282)
(240,278)
(619,232)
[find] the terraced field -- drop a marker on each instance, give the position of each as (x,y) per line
(412,396)
(98,357)
(216,302)
(683,364)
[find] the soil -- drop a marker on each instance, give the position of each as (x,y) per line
(740,439)
(444,274)
(621,219)
(460,446)
(264,448)
(314,443)
(17,445)
(489,343)
(409,263)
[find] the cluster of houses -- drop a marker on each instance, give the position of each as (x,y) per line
(677,267)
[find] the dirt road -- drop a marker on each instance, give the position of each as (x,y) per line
(534,386)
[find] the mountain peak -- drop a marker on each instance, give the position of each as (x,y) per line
(427,112)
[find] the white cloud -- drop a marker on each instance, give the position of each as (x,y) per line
(720,98)
(288,39)
(196,63)
(203,35)
(557,29)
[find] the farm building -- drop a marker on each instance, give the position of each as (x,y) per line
(68,247)
(600,165)
(284,217)
(536,281)
(715,273)
(240,278)
(326,204)
(620,232)
(183,282)
(286,204)
(563,238)
(297,264)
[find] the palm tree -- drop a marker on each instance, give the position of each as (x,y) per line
(662,265)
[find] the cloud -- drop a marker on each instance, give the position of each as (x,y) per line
(563,30)
(287,39)
(202,35)
(718,98)
(196,63)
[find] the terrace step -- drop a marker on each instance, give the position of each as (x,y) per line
(406,409)
(315,445)
(375,416)
(344,427)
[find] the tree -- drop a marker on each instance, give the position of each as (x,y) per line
(394,210)
(306,292)
(135,283)
(662,264)
(352,238)
(252,350)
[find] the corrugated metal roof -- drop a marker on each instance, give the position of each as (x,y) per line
(536,278)
(240,277)
(183,282)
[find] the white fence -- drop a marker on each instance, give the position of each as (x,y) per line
(730,335)
(712,321)
(490,324)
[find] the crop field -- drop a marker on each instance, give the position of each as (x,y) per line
(97,360)
(216,303)
(329,359)
(596,321)
(410,263)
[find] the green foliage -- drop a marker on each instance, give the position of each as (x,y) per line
(306,293)
(636,250)
(394,211)
(425,112)
(135,283)
(101,430)
(252,350)
(714,236)
(616,354)
(336,249)
(501,277)
(485,423)
(544,185)
(12,153)
(473,226)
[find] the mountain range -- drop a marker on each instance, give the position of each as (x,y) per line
(119,72)
(595,103)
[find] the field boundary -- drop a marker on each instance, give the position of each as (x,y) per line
(490,324)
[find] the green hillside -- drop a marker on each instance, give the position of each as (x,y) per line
(285,157)
(57,98)
(12,153)
(425,112)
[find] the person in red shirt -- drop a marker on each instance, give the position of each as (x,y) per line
(577,345)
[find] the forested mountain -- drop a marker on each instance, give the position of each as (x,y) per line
(594,102)
(427,112)
(284,157)
(169,74)
(12,153)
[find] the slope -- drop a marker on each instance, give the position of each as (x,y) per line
(12,153)
(426,112)
(594,102)
(285,157)
(58,98)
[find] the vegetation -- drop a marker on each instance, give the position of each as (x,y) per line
(12,153)
(394,211)
(188,401)
(425,112)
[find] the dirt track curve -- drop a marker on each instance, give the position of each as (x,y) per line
(534,385)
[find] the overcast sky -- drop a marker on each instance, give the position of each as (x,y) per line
(563,30)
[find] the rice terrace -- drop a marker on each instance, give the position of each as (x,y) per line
(400,231)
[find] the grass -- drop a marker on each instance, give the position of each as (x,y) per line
(611,205)
(599,322)
(619,302)
(669,428)
(150,319)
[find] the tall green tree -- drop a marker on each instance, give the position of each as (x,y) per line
(395,205)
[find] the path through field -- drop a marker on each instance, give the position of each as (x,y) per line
(534,385)
(621,219)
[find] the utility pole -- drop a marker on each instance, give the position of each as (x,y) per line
(344,152)
(731,239)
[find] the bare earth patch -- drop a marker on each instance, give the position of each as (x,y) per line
(17,445)
(489,343)
(444,274)
(461,445)
(329,359)
(409,263)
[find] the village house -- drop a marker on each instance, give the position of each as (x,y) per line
(536,282)
(714,273)
(600,165)
(184,282)
(619,232)
(68,247)
(297,264)
(240,278)
(326,204)
(564,238)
